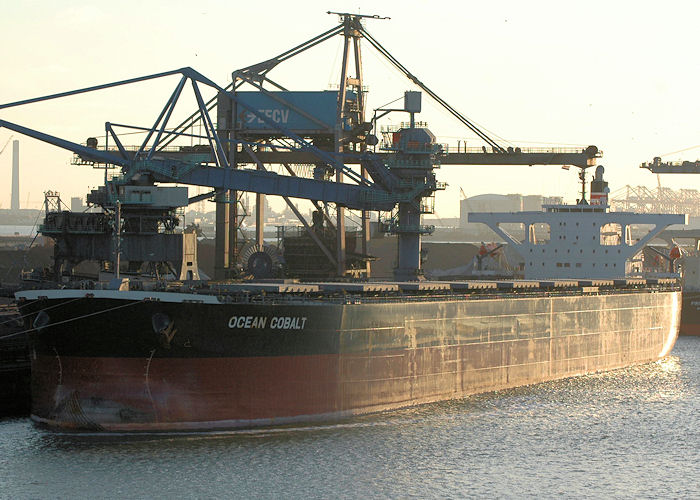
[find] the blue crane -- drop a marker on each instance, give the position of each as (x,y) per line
(403,176)
(364,195)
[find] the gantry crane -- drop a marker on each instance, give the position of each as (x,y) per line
(253,128)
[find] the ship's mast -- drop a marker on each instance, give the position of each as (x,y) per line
(582,178)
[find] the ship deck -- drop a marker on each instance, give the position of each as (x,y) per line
(292,291)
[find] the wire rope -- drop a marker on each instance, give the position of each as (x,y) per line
(73,319)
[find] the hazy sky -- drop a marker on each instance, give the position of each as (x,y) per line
(621,75)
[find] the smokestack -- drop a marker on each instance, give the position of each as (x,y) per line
(14,203)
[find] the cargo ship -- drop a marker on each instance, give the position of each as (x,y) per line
(681,253)
(690,312)
(143,356)
(130,354)
(690,317)
(265,354)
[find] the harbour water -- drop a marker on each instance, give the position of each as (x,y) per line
(631,433)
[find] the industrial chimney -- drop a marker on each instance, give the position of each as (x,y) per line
(14,202)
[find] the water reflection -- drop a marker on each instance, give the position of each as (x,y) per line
(670,364)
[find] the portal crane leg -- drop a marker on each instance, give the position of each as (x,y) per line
(339,136)
(226,242)
(365,229)
(409,264)
(260,220)
(366,234)
(222,249)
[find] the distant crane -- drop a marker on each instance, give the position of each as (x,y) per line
(5,146)
(658,166)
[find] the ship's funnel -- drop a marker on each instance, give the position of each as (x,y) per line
(599,188)
(14,202)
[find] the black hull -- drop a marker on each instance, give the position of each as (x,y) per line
(14,366)
(159,366)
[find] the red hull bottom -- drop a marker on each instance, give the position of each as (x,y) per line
(128,394)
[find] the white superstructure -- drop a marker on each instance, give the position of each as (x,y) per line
(585,241)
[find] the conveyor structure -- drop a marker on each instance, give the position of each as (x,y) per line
(252,129)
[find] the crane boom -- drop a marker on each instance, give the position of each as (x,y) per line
(255,181)
(657,166)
